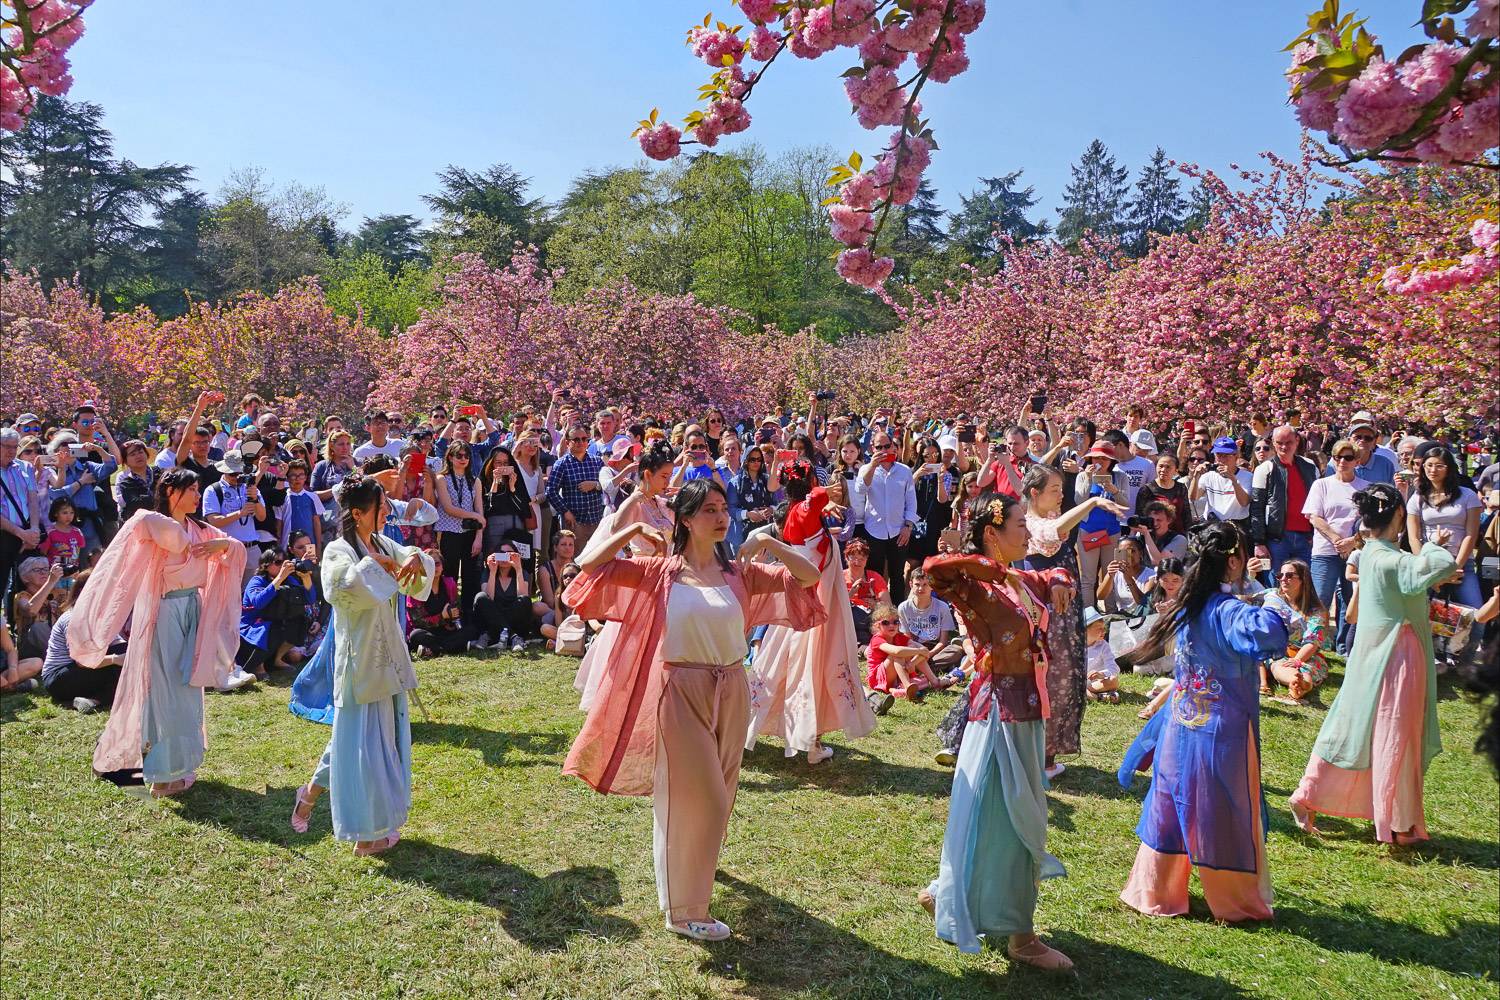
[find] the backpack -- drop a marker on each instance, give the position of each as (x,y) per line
(572,637)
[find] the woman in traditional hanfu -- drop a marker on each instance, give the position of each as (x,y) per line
(366,766)
(1205,808)
(1381,731)
(177,579)
(995,846)
(646,505)
(670,715)
(806,684)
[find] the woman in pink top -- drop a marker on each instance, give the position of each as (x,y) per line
(673,706)
(178,581)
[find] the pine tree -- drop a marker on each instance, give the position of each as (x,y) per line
(918,234)
(996,209)
(1095,199)
(1158,206)
(1200,209)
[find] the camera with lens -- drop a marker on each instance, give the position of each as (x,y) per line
(1136,521)
(826,396)
(304,566)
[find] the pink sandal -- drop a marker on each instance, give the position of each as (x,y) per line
(378,847)
(299,821)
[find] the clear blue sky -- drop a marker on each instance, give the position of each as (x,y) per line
(361,98)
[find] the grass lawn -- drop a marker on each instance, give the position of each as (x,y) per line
(512,881)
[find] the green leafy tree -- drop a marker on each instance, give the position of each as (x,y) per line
(918,236)
(256,238)
(621,224)
(1095,200)
(362,285)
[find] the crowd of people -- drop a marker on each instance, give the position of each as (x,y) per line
(790,575)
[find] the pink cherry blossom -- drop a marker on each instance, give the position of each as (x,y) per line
(859,192)
(661,142)
(851,226)
(1485,21)
(763,43)
(713,46)
(731,116)
(38,66)
(759,11)
(1375,107)
(861,267)
(1316,109)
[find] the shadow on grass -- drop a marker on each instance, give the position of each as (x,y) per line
(1445,848)
(780,949)
(1468,949)
(500,748)
(540,912)
(851,772)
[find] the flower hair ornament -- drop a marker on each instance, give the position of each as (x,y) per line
(997,511)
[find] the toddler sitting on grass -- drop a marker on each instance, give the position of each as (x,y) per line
(897,663)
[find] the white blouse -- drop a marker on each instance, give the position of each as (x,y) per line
(704,625)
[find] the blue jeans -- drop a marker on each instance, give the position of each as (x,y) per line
(1291,545)
(1328,580)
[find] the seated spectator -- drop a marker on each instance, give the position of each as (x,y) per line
(16,674)
(560,611)
(1101,672)
(304,639)
(433,624)
(1127,582)
(897,663)
(929,620)
(85,688)
(1296,600)
(866,587)
(37,605)
(269,604)
(502,609)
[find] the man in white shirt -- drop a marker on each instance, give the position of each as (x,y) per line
(233,505)
(1137,460)
(1226,487)
(888,498)
(378,426)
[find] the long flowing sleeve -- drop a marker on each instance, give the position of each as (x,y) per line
(606,593)
(419,589)
(1418,573)
(774,597)
(355,584)
(1259,633)
(131,562)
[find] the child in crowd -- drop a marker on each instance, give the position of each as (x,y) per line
(64,544)
(302,510)
(929,620)
(898,664)
(1101,673)
(866,587)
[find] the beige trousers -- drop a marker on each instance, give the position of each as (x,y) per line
(701,722)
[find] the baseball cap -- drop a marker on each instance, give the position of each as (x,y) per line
(27,419)
(948,442)
(1364,418)
(1144,440)
(1225,446)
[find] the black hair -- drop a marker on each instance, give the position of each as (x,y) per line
(1451,482)
(1171,564)
(689,500)
(58,506)
(990,509)
(356,492)
(797,479)
(779,514)
(378,462)
(268,555)
(1378,504)
(1116,436)
(654,457)
(808,451)
(175,481)
(1036,479)
(1209,552)
(295,537)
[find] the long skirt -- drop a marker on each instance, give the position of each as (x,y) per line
(172,719)
(701,721)
(995,846)
(1065,661)
(366,768)
(1389,791)
(1158,883)
(806,684)
(595,662)
(312,691)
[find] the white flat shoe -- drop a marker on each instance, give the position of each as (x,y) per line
(701,930)
(819,754)
(1055,770)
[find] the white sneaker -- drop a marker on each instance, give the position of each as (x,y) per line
(1054,771)
(237,679)
(83,706)
(819,754)
(517,644)
(479,642)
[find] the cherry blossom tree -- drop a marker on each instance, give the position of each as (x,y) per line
(35,36)
(886,34)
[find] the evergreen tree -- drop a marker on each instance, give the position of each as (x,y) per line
(68,206)
(1158,206)
(486,213)
(1095,199)
(174,261)
(395,239)
(996,209)
(918,230)
(1200,209)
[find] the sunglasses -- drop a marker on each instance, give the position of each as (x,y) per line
(884,447)
(1346,458)
(888,621)
(1289,575)
(30,429)
(1364,437)
(31,451)
(578,440)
